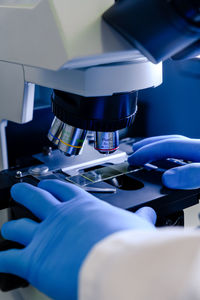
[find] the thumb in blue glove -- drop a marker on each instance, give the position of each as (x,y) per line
(172,146)
(72,222)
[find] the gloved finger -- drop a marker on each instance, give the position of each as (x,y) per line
(185,177)
(13,262)
(148,214)
(20,231)
(154,139)
(63,191)
(188,149)
(39,202)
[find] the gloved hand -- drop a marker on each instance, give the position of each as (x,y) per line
(171,146)
(73,221)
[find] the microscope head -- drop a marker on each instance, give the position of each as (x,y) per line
(95,73)
(171,30)
(95,80)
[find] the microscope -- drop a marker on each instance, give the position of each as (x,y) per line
(95,55)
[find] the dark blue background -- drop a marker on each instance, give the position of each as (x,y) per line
(174,107)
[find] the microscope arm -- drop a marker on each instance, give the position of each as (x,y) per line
(17,99)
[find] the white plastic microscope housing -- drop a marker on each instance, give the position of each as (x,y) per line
(65,45)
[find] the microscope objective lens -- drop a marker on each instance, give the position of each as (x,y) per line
(55,131)
(71,140)
(107,142)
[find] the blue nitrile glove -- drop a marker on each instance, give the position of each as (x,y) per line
(171,146)
(73,221)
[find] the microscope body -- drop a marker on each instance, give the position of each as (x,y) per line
(67,47)
(95,73)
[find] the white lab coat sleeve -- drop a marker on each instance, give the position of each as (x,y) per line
(143,265)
